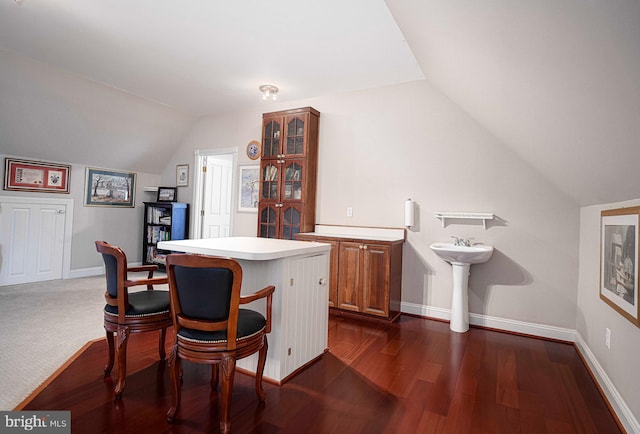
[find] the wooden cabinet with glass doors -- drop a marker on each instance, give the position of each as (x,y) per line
(288,170)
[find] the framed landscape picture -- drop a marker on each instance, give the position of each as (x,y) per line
(104,187)
(619,261)
(40,176)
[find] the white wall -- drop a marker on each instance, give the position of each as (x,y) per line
(51,114)
(119,226)
(233,130)
(620,363)
(378,148)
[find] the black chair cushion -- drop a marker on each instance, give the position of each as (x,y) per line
(249,323)
(204,293)
(144,303)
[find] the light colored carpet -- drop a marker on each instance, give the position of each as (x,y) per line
(43,325)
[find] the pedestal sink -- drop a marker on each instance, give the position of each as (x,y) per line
(461,258)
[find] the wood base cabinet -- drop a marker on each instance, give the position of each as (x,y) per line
(366,275)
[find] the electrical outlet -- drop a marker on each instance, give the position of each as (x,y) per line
(349,211)
(607,338)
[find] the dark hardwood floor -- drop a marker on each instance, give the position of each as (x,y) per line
(414,376)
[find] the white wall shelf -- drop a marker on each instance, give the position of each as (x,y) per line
(484,216)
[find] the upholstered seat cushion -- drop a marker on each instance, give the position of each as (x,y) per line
(144,303)
(249,323)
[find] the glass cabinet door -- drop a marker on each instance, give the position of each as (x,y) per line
(269,181)
(294,144)
(271,139)
(268,221)
(291,221)
(293,178)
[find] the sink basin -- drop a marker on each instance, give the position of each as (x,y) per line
(463,254)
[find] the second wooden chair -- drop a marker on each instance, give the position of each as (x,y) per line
(209,325)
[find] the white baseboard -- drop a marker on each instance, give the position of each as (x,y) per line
(527,328)
(619,406)
(84,272)
(92,271)
(427,311)
(515,326)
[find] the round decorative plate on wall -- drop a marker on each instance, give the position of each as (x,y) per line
(253,150)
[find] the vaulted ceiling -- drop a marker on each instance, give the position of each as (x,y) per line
(205,57)
(557,81)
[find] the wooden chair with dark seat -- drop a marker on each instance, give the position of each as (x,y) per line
(210,327)
(130,312)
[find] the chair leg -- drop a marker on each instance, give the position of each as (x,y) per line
(109,366)
(161,350)
(214,376)
(123,339)
(262,358)
(176,380)
(228,366)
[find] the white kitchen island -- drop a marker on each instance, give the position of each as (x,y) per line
(300,311)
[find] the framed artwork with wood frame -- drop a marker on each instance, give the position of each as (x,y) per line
(619,261)
(113,188)
(41,176)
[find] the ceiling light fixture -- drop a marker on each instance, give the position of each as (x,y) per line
(269,91)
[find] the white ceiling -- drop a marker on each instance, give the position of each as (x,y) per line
(204,57)
(557,81)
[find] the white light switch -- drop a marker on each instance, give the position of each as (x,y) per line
(349,211)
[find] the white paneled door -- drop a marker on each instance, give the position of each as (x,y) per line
(216,218)
(32,239)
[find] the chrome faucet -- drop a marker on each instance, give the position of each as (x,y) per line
(457,241)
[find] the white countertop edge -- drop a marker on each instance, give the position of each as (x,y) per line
(356,236)
(363,233)
(246,248)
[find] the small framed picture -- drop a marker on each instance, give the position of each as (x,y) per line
(182,175)
(167,194)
